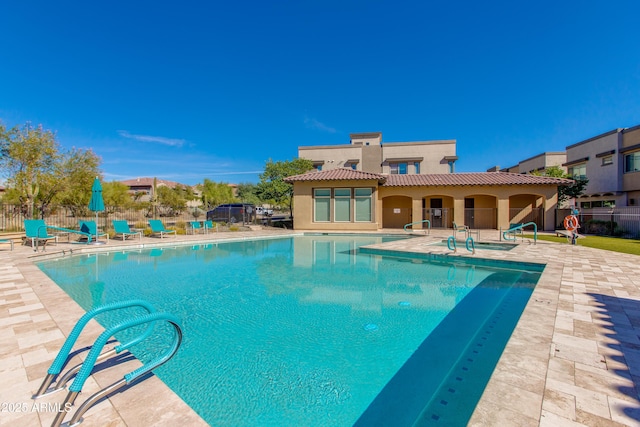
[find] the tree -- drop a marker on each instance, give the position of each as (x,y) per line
(29,160)
(565,192)
(116,194)
(39,173)
(272,185)
(248,193)
(170,201)
(215,193)
(75,174)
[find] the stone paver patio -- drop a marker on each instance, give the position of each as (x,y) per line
(573,359)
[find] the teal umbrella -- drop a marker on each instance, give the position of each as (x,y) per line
(96,204)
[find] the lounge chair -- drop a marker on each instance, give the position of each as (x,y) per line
(121,228)
(208,225)
(157,227)
(36,232)
(460,229)
(7,241)
(91,228)
(195,227)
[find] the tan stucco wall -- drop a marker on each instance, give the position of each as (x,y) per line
(543,161)
(410,199)
(334,156)
(433,154)
(303,206)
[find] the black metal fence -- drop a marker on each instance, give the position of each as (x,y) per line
(12,218)
(618,222)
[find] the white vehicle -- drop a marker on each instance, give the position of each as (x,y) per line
(264,211)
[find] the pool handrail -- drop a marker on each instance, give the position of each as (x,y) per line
(521,227)
(418,222)
(455,246)
(63,354)
(92,358)
(473,245)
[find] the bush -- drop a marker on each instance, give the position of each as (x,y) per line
(602,228)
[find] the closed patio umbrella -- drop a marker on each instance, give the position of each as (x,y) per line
(96,204)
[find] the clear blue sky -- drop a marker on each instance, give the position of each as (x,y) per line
(191,90)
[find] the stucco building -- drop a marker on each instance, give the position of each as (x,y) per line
(366,152)
(611,163)
(347,199)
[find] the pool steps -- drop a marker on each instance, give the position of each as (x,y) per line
(82,371)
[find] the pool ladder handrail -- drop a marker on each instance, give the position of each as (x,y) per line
(83,370)
(473,245)
(87,367)
(418,222)
(521,227)
(451,239)
(453,246)
(60,361)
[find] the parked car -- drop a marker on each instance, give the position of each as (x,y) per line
(233,212)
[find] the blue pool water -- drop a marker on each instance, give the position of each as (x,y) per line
(308,330)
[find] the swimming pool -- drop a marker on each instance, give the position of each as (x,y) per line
(308,330)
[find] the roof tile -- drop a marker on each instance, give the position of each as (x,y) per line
(339,174)
(446,179)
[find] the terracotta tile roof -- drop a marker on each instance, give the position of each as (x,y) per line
(472,178)
(444,179)
(148,182)
(339,174)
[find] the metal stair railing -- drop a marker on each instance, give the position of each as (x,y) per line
(418,222)
(520,227)
(89,363)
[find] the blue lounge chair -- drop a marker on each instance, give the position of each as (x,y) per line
(196,227)
(91,228)
(7,241)
(36,232)
(121,228)
(157,227)
(208,225)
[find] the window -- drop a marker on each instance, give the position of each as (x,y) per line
(607,160)
(363,204)
(632,162)
(416,165)
(398,168)
(342,204)
(322,205)
(578,171)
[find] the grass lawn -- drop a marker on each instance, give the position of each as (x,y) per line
(627,246)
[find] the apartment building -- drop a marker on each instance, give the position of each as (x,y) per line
(536,163)
(630,154)
(369,184)
(367,153)
(611,163)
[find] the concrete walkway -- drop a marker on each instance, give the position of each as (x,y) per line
(573,359)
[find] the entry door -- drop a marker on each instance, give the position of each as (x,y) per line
(436,213)
(469,206)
